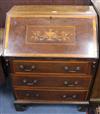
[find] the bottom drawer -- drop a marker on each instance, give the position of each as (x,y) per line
(51,95)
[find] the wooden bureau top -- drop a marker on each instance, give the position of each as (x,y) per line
(51,31)
(31,10)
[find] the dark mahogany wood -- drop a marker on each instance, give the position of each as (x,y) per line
(80,67)
(50,95)
(52,31)
(51,80)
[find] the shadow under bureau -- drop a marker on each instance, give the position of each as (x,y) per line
(52,53)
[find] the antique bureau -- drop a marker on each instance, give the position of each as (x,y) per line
(51,52)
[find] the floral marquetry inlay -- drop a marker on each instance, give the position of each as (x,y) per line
(40,34)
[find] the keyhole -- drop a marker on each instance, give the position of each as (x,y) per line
(50,18)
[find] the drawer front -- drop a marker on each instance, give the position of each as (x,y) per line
(51,67)
(51,95)
(50,81)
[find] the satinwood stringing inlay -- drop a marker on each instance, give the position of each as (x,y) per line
(49,34)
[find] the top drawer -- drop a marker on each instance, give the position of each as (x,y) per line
(29,66)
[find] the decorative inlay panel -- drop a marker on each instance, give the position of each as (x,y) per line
(49,34)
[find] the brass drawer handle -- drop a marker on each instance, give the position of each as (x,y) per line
(37,95)
(69,96)
(66,68)
(29,83)
(74,96)
(71,84)
(27,68)
(64,96)
(28,94)
(72,69)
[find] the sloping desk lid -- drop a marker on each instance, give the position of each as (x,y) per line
(51,31)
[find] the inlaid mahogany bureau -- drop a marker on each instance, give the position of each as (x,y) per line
(52,53)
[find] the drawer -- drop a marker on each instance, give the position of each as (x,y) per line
(22,66)
(51,81)
(51,95)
